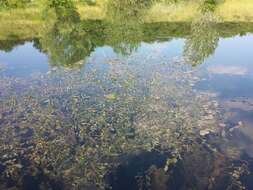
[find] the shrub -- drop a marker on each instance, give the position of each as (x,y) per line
(13,3)
(209,5)
(61,3)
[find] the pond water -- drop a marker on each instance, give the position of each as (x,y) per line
(128,105)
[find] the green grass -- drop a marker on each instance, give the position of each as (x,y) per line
(15,26)
(236,10)
(21,23)
(91,12)
(228,11)
(182,11)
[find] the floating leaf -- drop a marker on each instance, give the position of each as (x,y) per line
(111,97)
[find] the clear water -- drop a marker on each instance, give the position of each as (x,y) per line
(134,106)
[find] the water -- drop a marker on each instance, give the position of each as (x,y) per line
(128,105)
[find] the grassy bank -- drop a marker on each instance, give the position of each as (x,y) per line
(23,23)
(236,10)
(27,22)
(228,11)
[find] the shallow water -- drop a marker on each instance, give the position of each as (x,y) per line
(101,104)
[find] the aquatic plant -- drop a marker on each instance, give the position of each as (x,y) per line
(72,129)
(77,128)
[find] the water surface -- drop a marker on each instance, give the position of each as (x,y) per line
(128,105)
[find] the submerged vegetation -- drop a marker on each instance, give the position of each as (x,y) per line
(74,129)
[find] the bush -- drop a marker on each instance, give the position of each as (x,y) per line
(13,3)
(61,4)
(65,9)
(209,5)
